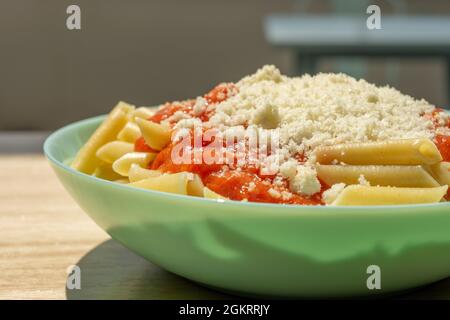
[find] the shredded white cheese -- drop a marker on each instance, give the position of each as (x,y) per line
(305,181)
(331,194)
(362,181)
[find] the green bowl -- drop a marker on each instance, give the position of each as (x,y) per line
(262,249)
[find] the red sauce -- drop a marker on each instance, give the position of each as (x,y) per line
(164,163)
(169,109)
(141,146)
(220,93)
(433,116)
(443,144)
(235,185)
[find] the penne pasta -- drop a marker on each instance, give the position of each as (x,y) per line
(86,161)
(395,152)
(195,186)
(105,171)
(208,193)
(123,165)
(129,133)
(113,150)
(137,173)
(358,195)
(394,176)
(155,135)
(441,172)
(173,183)
(143,112)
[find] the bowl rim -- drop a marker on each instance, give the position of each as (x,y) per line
(231,203)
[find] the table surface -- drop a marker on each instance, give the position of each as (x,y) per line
(43,232)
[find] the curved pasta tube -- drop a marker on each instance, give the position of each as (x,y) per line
(441,172)
(394,176)
(401,152)
(113,150)
(123,165)
(173,183)
(129,133)
(195,186)
(358,195)
(86,161)
(208,193)
(155,135)
(143,112)
(137,173)
(105,171)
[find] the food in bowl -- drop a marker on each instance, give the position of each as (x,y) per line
(327,139)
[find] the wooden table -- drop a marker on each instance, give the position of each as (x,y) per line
(43,232)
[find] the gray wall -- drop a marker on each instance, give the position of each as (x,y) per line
(145,52)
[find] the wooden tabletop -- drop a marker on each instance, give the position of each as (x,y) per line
(43,232)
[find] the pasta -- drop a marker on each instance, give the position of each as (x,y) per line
(174,183)
(105,171)
(366,195)
(195,186)
(113,150)
(123,165)
(155,135)
(129,133)
(389,175)
(400,152)
(316,140)
(441,172)
(137,173)
(86,161)
(143,112)
(209,194)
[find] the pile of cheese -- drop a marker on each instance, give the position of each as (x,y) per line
(312,111)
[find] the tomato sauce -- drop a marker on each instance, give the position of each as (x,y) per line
(220,93)
(235,185)
(141,146)
(442,141)
(443,144)
(164,162)
(169,109)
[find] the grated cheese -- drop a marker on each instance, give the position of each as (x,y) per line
(362,180)
(331,194)
(274,193)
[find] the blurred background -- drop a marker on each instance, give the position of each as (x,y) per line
(147,52)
